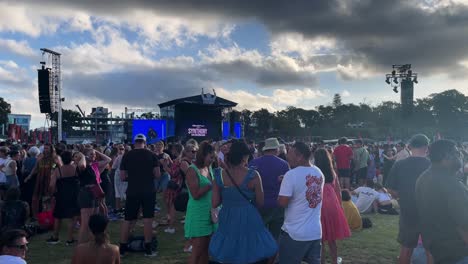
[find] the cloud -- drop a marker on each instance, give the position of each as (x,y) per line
(266,70)
(12,76)
(432,35)
(18,47)
(278,100)
(345,93)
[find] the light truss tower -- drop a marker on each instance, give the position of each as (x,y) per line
(56,83)
(404,78)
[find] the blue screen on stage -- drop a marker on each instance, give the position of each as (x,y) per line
(238,129)
(154,130)
(226,130)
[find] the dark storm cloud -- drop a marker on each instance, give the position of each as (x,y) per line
(268,75)
(144,88)
(381,32)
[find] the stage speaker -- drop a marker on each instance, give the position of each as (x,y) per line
(43,80)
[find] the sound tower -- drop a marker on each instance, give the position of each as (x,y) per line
(43,77)
(407,100)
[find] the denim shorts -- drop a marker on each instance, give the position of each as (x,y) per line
(161,183)
(294,252)
(12,181)
(463,261)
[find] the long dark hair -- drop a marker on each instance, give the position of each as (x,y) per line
(324,162)
(204,150)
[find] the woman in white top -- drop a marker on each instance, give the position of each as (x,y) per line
(10,168)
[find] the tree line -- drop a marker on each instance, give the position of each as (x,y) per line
(444,113)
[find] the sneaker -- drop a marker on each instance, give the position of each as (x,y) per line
(52,241)
(155,224)
(188,250)
(169,230)
(149,252)
(71,242)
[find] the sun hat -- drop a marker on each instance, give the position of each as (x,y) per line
(271,143)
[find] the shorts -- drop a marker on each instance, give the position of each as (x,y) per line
(294,252)
(160,184)
(86,199)
(408,233)
(119,186)
(273,219)
(145,201)
(12,181)
(344,173)
(362,173)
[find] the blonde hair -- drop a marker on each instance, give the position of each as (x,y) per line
(82,160)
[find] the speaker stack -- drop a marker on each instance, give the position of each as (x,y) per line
(44,85)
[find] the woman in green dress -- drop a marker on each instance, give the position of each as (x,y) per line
(198,225)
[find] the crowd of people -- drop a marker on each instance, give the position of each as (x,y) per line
(243,202)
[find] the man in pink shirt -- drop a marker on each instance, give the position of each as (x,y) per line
(343,155)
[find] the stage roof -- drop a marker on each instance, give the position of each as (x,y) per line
(198,99)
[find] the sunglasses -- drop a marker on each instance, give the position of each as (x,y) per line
(22,247)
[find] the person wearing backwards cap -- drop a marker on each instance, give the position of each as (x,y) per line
(139,167)
(402,182)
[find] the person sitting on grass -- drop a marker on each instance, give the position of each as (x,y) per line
(384,199)
(351,212)
(367,198)
(99,250)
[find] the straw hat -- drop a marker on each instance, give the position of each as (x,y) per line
(271,143)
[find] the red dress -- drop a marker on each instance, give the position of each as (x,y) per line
(176,177)
(334,223)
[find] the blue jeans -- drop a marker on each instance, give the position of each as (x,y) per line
(161,183)
(463,261)
(292,251)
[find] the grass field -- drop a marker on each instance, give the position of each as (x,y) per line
(374,245)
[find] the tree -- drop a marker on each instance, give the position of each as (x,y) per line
(70,119)
(148,115)
(337,100)
(262,120)
(5,109)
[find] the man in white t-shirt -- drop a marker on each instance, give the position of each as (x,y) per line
(13,247)
(367,198)
(301,195)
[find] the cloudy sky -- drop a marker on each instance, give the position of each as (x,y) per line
(261,54)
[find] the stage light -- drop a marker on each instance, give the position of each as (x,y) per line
(387,80)
(393,73)
(395,80)
(410,72)
(395,89)
(415,80)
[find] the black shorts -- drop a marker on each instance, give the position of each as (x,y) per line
(344,173)
(145,201)
(362,173)
(86,199)
(408,233)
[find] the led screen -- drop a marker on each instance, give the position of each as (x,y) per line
(154,130)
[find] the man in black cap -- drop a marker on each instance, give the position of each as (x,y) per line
(442,202)
(401,182)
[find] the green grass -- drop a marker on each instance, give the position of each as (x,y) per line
(375,245)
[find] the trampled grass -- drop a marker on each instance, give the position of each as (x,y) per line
(375,245)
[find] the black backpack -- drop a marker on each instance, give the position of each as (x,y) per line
(366,222)
(137,244)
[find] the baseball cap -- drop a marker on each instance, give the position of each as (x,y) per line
(139,137)
(419,141)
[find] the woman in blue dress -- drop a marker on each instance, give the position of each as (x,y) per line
(241,236)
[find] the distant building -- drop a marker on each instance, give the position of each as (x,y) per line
(24,121)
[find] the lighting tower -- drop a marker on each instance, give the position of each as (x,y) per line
(404,78)
(56,84)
